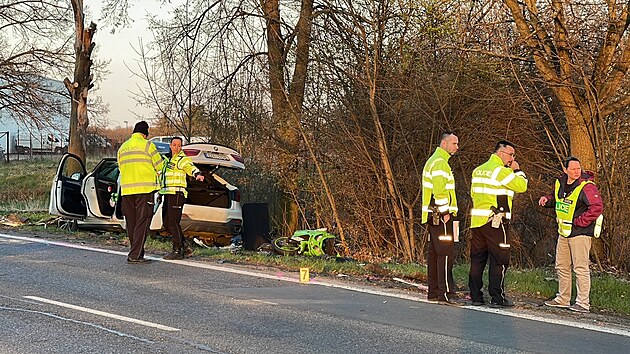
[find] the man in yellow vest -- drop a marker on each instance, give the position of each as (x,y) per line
(139,163)
(579,210)
(493,186)
(439,207)
(173,190)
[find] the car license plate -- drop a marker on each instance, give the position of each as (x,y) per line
(216,156)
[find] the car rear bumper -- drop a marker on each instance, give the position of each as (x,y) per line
(231,228)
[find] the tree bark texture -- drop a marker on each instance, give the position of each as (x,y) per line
(287,104)
(587,94)
(585,97)
(82,81)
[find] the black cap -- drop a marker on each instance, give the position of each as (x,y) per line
(142,127)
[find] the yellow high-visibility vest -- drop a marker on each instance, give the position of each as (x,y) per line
(139,163)
(438,183)
(489,182)
(174,175)
(565,210)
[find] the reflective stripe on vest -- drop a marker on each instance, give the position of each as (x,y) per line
(139,163)
(437,172)
(489,181)
(174,174)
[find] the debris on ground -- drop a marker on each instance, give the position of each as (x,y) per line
(13,220)
(419,286)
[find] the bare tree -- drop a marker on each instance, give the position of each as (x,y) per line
(582,51)
(33,50)
(176,68)
(82,81)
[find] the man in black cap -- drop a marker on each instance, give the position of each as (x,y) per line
(140,164)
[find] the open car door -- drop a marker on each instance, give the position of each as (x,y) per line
(66,198)
(98,187)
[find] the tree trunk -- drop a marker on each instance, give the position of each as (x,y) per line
(407,239)
(587,93)
(287,106)
(82,83)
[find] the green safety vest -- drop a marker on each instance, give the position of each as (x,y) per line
(565,210)
(174,174)
(489,181)
(139,163)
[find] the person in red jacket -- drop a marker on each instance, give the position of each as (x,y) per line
(579,207)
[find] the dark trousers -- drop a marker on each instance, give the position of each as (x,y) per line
(138,212)
(172,216)
(492,244)
(440,262)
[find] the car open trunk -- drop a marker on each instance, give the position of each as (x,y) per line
(210,192)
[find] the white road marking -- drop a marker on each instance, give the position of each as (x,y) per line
(104,314)
(14,241)
(264,302)
(604,328)
(63,244)
(121,334)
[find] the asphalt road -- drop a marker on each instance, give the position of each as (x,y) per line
(56,299)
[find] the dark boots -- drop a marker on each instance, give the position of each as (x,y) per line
(180,251)
(187,251)
(176,253)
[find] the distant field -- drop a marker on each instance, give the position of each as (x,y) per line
(25,184)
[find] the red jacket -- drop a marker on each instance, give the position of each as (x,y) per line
(589,204)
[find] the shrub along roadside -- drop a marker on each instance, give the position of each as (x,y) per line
(609,293)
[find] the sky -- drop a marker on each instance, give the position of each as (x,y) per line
(116,86)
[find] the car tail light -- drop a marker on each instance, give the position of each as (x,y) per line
(109,189)
(191,152)
(238,158)
(237,195)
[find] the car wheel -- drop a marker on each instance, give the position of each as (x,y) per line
(58,150)
(282,246)
(68,225)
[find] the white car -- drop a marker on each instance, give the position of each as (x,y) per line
(212,212)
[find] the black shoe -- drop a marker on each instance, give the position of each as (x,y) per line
(478,303)
(137,261)
(501,303)
(450,302)
(433,300)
